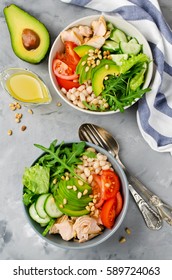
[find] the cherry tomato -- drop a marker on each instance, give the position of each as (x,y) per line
(61,56)
(98,190)
(105,186)
(67,84)
(62,70)
(108,213)
(119,203)
(71,55)
(110,182)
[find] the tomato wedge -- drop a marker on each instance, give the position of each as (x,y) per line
(67,84)
(108,213)
(119,203)
(71,56)
(105,186)
(98,190)
(111,183)
(62,70)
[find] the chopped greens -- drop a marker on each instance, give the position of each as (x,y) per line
(36,179)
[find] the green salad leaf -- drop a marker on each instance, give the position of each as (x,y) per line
(36,179)
(62,158)
(29,197)
(122,91)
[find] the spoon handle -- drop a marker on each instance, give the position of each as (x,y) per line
(164,210)
(151,218)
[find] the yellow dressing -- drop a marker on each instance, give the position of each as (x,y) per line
(27,87)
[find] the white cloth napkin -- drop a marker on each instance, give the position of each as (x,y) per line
(154,114)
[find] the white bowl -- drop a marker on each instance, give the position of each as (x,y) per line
(129,29)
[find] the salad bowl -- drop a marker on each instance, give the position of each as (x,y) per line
(130,44)
(56,239)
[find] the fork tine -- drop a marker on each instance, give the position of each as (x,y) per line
(97,136)
(90,133)
(86,136)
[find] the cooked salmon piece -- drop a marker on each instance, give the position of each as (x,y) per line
(64,227)
(70,35)
(96,42)
(86,228)
(85,30)
(99,27)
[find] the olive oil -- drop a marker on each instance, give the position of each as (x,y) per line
(26,87)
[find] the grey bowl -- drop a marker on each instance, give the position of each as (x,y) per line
(59,242)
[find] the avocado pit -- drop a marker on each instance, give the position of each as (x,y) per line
(30,39)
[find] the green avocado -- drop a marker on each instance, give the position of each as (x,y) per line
(80,65)
(83,50)
(100,74)
(30,39)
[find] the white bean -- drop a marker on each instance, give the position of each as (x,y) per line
(89,98)
(105,167)
(64,90)
(68,95)
(82,96)
(73,90)
(99,156)
(85,92)
(90,160)
(73,97)
(81,167)
(87,172)
(104,157)
(81,88)
(85,163)
(94,101)
(89,89)
(77,93)
(102,162)
(75,102)
(81,105)
(90,179)
(83,176)
(96,164)
(97,170)
(91,149)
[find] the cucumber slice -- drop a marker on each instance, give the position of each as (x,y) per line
(111,46)
(130,48)
(117,58)
(118,35)
(34,215)
(39,205)
(133,41)
(51,207)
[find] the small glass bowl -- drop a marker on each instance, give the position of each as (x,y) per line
(7,73)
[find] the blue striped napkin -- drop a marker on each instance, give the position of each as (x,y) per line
(154,114)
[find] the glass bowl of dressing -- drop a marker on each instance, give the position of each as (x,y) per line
(25,87)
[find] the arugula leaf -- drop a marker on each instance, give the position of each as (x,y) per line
(76,150)
(117,90)
(89,154)
(62,158)
(50,224)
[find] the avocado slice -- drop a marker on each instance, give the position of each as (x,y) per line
(83,50)
(80,66)
(100,74)
(30,39)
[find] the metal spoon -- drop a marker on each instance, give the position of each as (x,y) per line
(99,136)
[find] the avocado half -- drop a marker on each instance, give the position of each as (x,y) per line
(30,38)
